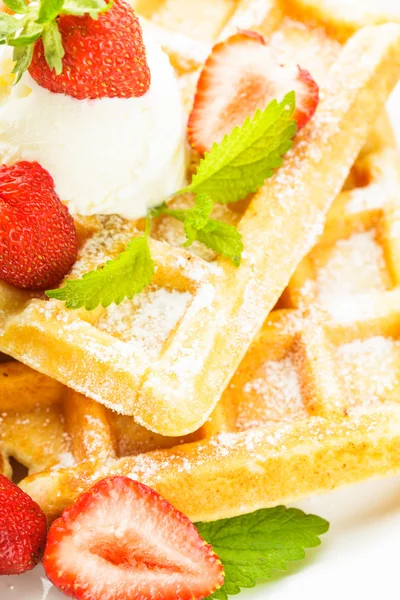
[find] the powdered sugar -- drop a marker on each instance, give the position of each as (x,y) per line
(355,265)
(360,12)
(274,396)
(65,460)
(146,321)
(368,369)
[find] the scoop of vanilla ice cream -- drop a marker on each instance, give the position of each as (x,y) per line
(106,156)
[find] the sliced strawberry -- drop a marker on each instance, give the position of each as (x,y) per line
(239,77)
(122,541)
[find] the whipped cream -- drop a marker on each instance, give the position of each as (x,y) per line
(106,156)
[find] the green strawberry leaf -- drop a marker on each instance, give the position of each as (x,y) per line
(22,55)
(49,10)
(83,7)
(252,546)
(245,158)
(116,280)
(8,26)
(17,6)
(53,47)
(29,34)
(41,21)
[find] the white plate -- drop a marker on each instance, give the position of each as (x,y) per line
(359,557)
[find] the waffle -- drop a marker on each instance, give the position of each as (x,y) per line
(313,405)
(343,17)
(152,357)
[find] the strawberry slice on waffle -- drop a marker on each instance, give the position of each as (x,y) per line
(122,541)
(240,76)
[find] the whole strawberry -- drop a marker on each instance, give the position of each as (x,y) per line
(105,57)
(22,530)
(38,241)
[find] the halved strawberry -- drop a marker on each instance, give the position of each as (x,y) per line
(239,77)
(122,541)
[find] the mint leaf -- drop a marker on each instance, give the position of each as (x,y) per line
(252,546)
(22,55)
(197,217)
(116,280)
(223,238)
(8,25)
(49,10)
(53,47)
(240,164)
(199,214)
(17,6)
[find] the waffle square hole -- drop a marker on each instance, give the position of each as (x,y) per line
(146,321)
(133,439)
(269,392)
(351,267)
(369,370)
(36,438)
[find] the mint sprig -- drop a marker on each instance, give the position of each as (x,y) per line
(221,237)
(252,546)
(39,20)
(240,164)
(116,280)
(231,171)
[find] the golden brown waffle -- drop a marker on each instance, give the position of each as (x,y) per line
(343,17)
(167,356)
(313,405)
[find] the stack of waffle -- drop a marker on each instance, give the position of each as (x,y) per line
(227,389)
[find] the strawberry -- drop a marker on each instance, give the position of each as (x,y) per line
(104,58)
(38,241)
(122,541)
(22,530)
(239,77)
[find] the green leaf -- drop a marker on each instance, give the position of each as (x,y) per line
(163,209)
(22,56)
(17,6)
(245,158)
(49,10)
(252,546)
(29,34)
(8,25)
(83,7)
(197,217)
(118,279)
(223,238)
(200,213)
(53,47)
